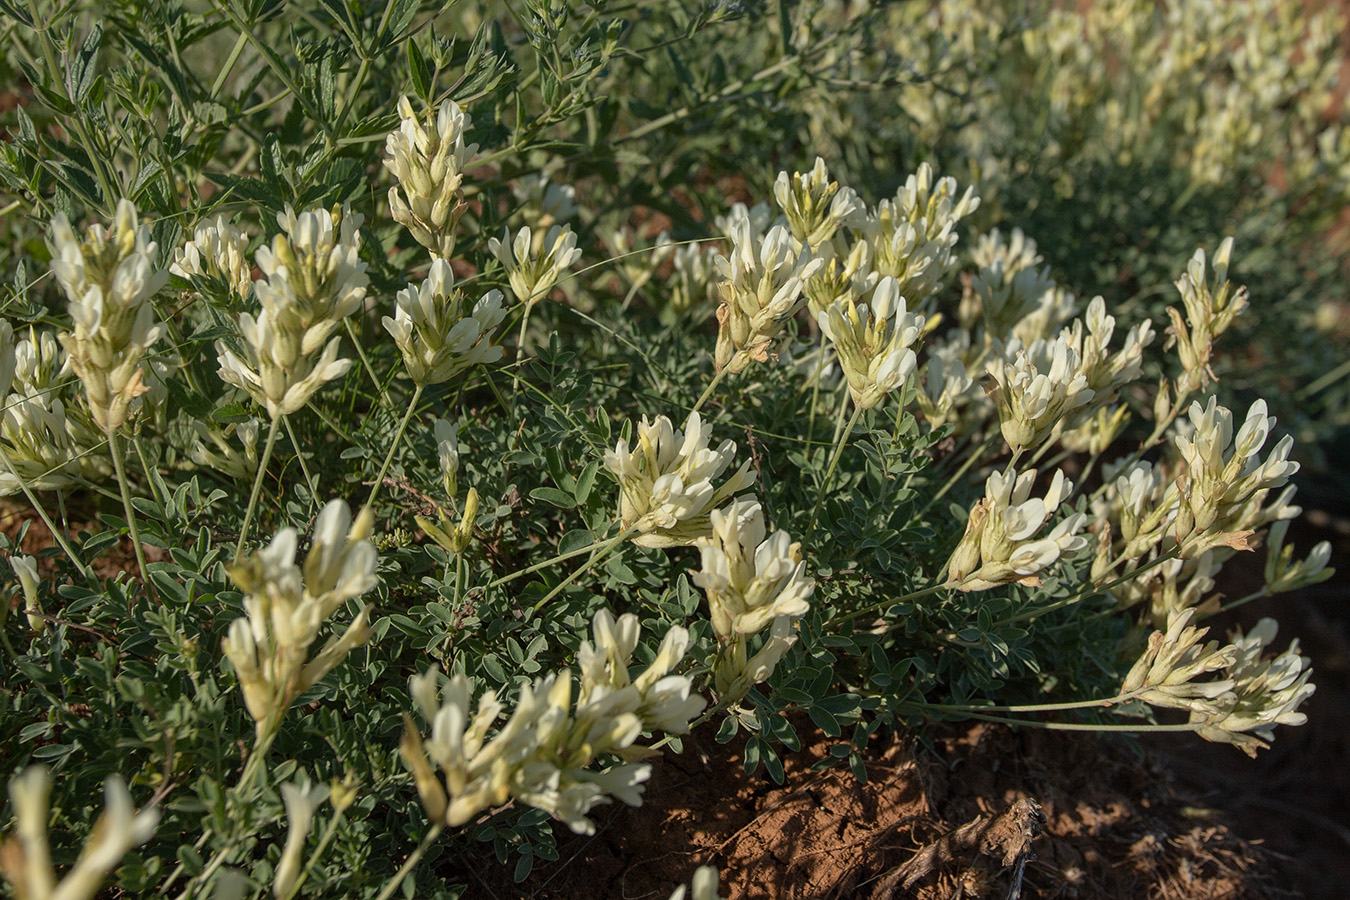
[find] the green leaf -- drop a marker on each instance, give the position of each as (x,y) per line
(560,499)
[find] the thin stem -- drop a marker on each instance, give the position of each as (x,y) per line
(561,557)
(257,487)
(840,442)
(815,388)
(1036,707)
(393,448)
(115,447)
(878,607)
(600,553)
(229,65)
(975,454)
(1078,726)
(57,534)
(410,863)
(365,360)
(1241,601)
(311,483)
(712,385)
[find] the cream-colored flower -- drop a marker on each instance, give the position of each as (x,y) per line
(541,755)
(873,342)
(761,289)
(217,250)
(438,333)
(1037,390)
(531,272)
(429,160)
(750,580)
(1000,543)
(26,863)
(814,206)
(109,277)
(286,606)
(666,481)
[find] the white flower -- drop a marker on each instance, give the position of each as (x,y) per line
(287,605)
(302,799)
(544,202)
(760,292)
(25,569)
(217,250)
(750,581)
(1000,543)
(1265,692)
(873,342)
(533,273)
(1037,390)
(436,331)
(541,755)
(313,276)
(735,672)
(703,887)
(429,164)
(1282,573)
(912,236)
(666,481)
(29,870)
(814,206)
(278,374)
(447,453)
(109,278)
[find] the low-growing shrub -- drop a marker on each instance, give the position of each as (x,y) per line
(485,415)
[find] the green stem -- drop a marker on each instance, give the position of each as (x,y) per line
(975,454)
(229,65)
(393,448)
(712,385)
(878,607)
(410,863)
(1078,726)
(311,483)
(1241,601)
(365,360)
(600,553)
(815,389)
(840,442)
(561,557)
(115,447)
(1036,707)
(57,534)
(257,487)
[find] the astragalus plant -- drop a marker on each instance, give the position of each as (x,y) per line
(483,429)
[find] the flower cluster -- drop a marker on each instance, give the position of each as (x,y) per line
(913,235)
(761,289)
(666,481)
(313,279)
(109,277)
(873,342)
(1252,694)
(217,250)
(287,605)
(25,859)
(542,754)
(1037,390)
(1210,311)
(815,206)
(752,583)
(437,332)
(533,271)
(429,164)
(1000,543)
